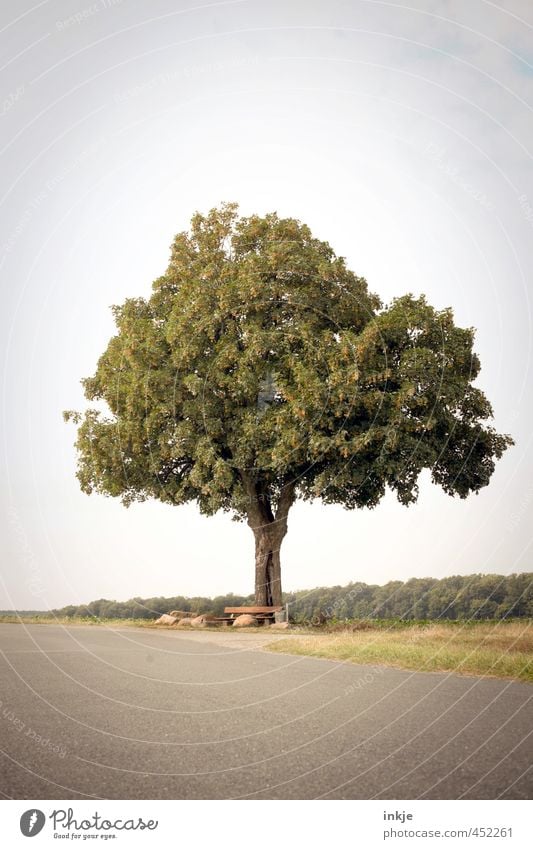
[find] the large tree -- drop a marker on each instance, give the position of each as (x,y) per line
(262,370)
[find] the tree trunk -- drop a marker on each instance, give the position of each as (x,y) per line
(269,531)
(268,565)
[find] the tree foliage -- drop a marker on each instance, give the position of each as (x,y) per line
(261,370)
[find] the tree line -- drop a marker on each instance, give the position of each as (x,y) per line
(478,596)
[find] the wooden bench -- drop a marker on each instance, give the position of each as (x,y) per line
(260,614)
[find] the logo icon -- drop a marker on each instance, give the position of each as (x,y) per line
(31,822)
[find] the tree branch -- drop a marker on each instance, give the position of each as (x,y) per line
(286,500)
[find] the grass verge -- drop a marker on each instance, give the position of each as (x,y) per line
(503,650)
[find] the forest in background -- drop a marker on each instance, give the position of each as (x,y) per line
(458,597)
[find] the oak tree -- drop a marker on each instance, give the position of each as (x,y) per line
(261,370)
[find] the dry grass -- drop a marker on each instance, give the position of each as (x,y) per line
(504,650)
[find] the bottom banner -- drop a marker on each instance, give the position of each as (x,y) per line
(265,823)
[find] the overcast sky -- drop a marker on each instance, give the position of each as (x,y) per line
(402,134)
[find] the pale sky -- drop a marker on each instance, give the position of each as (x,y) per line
(401,133)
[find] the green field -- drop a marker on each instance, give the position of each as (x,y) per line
(500,649)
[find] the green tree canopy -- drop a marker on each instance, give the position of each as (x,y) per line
(262,370)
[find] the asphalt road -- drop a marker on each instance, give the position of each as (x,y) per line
(89,712)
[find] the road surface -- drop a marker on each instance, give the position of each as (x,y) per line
(124,713)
